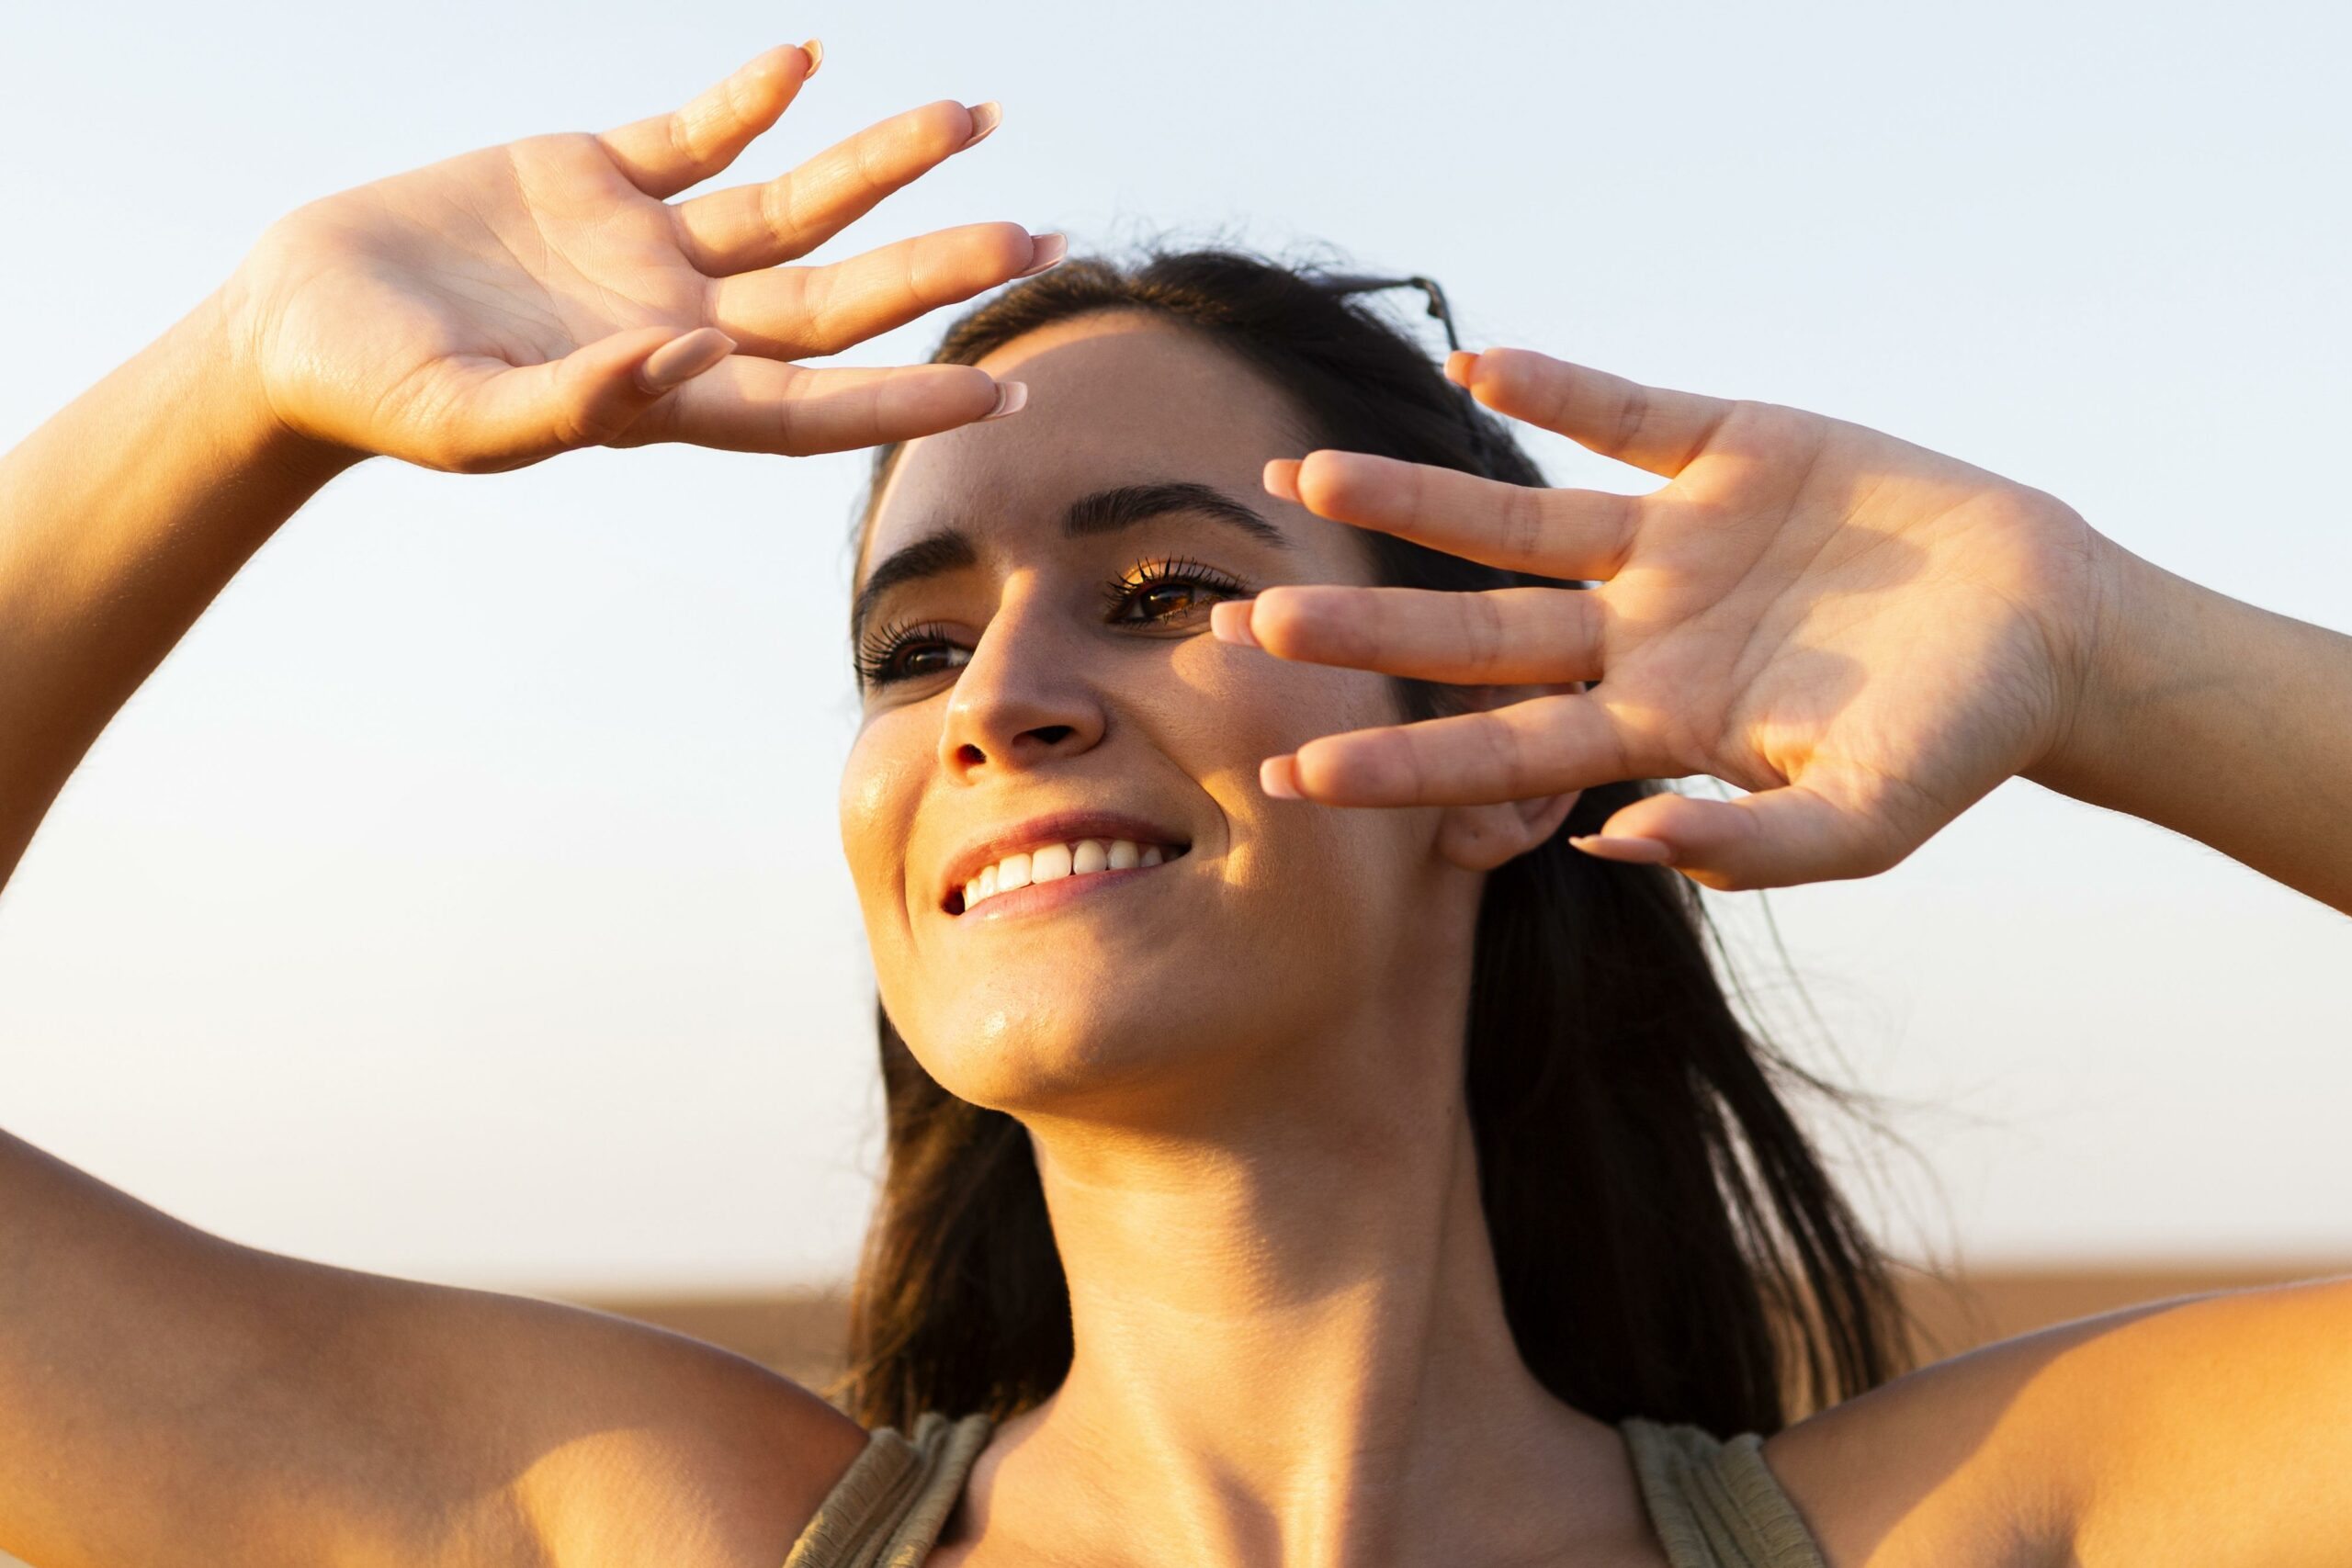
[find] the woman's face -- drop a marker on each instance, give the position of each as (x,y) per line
(1040,679)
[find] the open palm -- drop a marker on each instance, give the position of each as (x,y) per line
(499,307)
(1867,635)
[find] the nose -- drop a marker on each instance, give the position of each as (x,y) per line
(1023,697)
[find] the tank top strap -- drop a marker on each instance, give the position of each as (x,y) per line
(1713,1502)
(888,1507)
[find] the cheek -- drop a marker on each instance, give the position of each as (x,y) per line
(1235,706)
(1225,690)
(881,784)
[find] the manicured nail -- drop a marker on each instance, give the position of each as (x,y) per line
(1011,397)
(1278,776)
(1044,251)
(1229,622)
(985,117)
(1282,478)
(815,49)
(682,358)
(1647,851)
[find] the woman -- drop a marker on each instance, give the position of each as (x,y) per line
(1270,1181)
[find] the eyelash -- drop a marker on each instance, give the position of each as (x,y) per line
(878,657)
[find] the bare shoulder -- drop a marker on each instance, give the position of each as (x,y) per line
(2224,1419)
(167,1395)
(584,1438)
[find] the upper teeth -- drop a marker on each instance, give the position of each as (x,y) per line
(1051,862)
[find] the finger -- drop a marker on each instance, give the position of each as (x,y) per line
(760,225)
(664,154)
(1542,746)
(1556,532)
(748,405)
(1501,637)
(487,416)
(791,312)
(1647,426)
(1832,824)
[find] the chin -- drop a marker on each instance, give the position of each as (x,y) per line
(1011,1050)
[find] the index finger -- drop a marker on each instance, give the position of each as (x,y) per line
(748,405)
(1553,533)
(664,154)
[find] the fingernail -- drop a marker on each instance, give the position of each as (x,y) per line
(1011,397)
(1647,851)
(1278,776)
(985,117)
(1282,478)
(682,358)
(1229,622)
(815,49)
(1044,251)
(1458,365)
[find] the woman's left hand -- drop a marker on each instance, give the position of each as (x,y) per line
(1866,635)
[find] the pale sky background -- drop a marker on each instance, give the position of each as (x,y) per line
(463,898)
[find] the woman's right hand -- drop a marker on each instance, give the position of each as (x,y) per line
(497,308)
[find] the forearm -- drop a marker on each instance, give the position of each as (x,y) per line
(120,519)
(2222,720)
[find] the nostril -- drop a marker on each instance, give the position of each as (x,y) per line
(1052,734)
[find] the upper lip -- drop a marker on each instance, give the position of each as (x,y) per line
(1055,827)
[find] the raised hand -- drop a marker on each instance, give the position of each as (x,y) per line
(1866,635)
(494,309)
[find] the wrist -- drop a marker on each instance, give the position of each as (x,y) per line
(222,340)
(2176,674)
(2089,755)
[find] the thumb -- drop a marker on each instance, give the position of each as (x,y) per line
(1831,825)
(503,416)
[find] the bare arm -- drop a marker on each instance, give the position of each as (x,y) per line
(167,1397)
(2210,1429)
(2221,720)
(120,520)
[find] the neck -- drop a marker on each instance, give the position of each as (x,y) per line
(1289,1337)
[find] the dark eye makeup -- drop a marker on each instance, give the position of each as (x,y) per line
(1162,592)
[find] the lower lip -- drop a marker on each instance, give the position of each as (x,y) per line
(1042,896)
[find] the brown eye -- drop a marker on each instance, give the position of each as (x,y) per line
(924,658)
(907,653)
(1167,590)
(1165,599)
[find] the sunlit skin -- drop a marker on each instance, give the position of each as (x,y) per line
(1289,1343)
(515,295)
(1242,1069)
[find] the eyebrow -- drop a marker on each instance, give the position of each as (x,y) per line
(1103,512)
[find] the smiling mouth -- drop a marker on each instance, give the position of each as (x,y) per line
(1077,858)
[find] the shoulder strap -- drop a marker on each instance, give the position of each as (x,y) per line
(887,1508)
(1715,1503)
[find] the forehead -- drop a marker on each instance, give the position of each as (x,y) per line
(1114,398)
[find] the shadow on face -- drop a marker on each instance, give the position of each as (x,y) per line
(1040,689)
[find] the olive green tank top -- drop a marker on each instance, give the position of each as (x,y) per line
(1713,1504)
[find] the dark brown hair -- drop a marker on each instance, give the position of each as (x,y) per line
(1670,1243)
